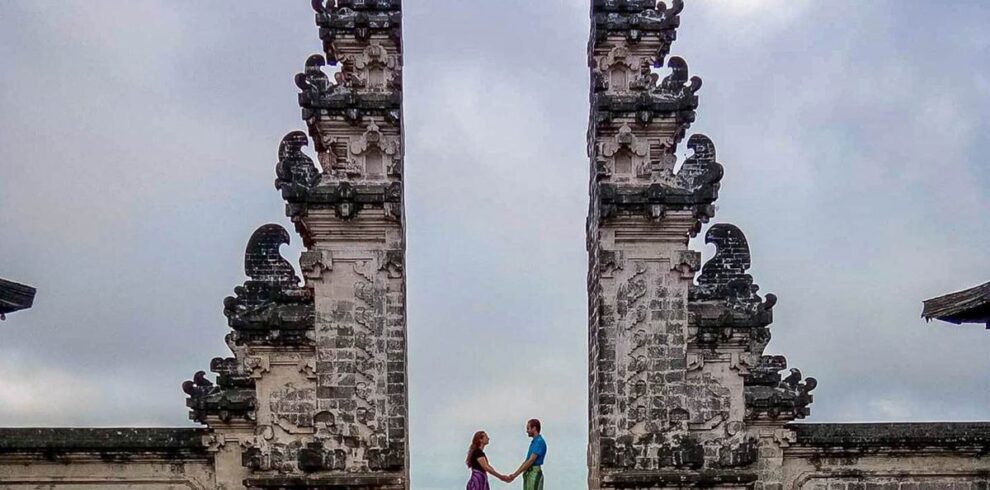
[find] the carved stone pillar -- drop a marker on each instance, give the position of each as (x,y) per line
(676,368)
(315,396)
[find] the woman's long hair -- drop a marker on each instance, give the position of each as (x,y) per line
(475,444)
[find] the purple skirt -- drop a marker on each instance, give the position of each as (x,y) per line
(478,481)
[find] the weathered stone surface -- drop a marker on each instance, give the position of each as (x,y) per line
(111,443)
(315,395)
(270,307)
(139,458)
(658,412)
(681,392)
(953,436)
(345,22)
(331,412)
(636,21)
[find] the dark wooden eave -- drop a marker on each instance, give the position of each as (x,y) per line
(14,297)
(968,306)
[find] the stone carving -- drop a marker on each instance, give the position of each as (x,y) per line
(376,70)
(609,261)
(378,153)
(359,19)
(392,262)
(687,264)
(739,453)
(272,457)
(313,82)
(293,408)
(770,397)
(625,155)
(668,358)
(683,452)
(724,276)
(636,20)
(223,402)
(623,93)
(724,303)
(270,307)
(296,173)
(319,97)
(695,187)
(315,262)
(303,189)
(676,85)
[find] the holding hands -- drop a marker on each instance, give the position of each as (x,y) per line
(508,478)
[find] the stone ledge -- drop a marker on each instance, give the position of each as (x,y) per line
(641,479)
(974,436)
(54,442)
(356,481)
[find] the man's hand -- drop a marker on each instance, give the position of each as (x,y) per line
(505,478)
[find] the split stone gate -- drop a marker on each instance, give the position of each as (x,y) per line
(682,392)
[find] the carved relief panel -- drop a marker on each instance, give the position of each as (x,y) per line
(625,156)
(360,355)
(644,304)
(375,69)
(619,71)
(368,154)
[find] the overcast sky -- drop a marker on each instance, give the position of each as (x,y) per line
(138,140)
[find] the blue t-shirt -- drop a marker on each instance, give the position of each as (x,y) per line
(539,448)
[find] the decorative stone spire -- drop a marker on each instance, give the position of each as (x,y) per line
(315,395)
(678,377)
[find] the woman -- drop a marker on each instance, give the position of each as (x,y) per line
(478,462)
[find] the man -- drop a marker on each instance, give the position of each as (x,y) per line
(531,469)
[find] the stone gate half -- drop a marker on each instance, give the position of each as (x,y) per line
(682,393)
(315,393)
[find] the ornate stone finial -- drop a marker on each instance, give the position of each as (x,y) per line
(620,92)
(358,20)
(770,397)
(344,99)
(701,174)
(724,276)
(677,85)
(295,170)
(270,307)
(225,401)
(263,261)
(312,79)
(695,187)
(637,20)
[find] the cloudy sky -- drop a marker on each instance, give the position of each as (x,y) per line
(137,145)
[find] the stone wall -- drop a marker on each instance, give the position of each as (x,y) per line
(904,456)
(70,459)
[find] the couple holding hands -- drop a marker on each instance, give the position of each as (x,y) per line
(531,468)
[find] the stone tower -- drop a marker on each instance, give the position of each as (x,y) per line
(680,391)
(315,395)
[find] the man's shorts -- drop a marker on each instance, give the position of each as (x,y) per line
(533,478)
